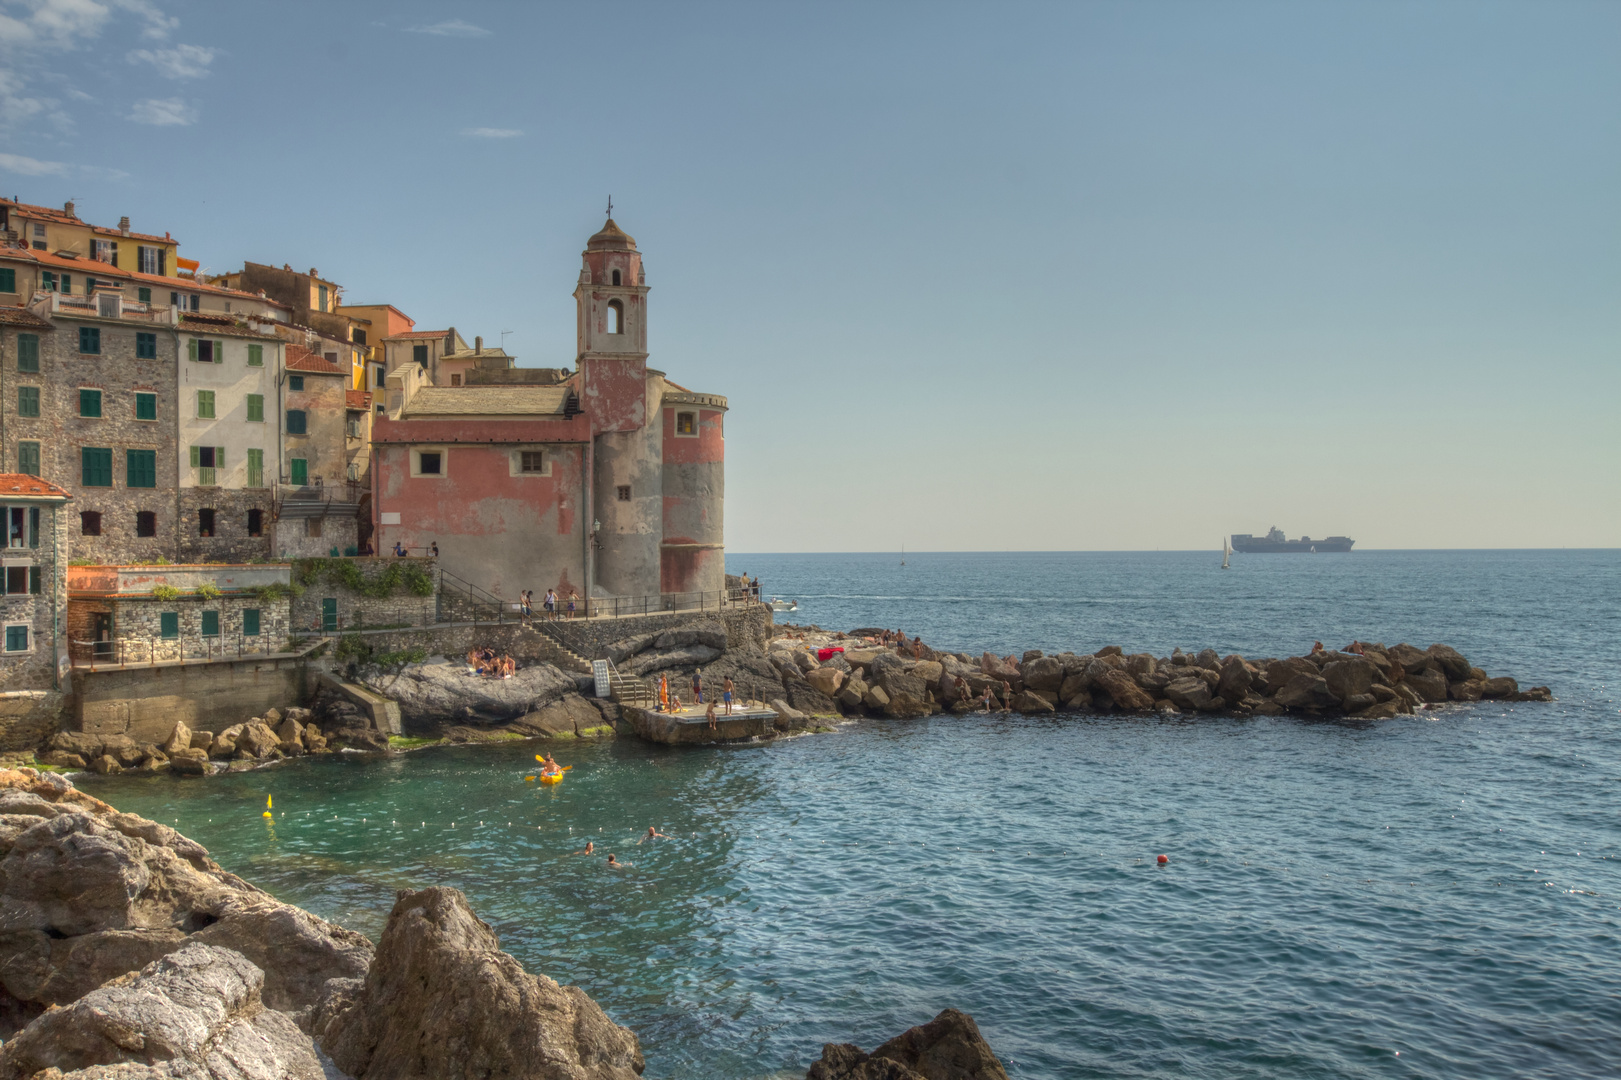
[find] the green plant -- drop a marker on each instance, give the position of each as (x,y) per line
(165,592)
(269,594)
(83,562)
(208,591)
(160,561)
(347,573)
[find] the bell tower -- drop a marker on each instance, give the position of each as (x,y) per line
(612,297)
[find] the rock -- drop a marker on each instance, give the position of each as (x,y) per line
(876,698)
(1269,708)
(1125,693)
(1429,684)
(1235,679)
(567,718)
(1501,687)
(1189,693)
(826,680)
(1466,691)
(1306,692)
(710,634)
(949,1047)
(854,693)
(1351,677)
(860,658)
(1451,662)
(193,1015)
(291,734)
(61,759)
(441,1000)
(440,693)
(122,749)
(202,740)
(1140,664)
(1208,660)
(179,739)
(105,765)
(788,717)
(1074,686)
(257,740)
(190,766)
(1536,693)
(1407,695)
(684,656)
(1029,701)
(82,743)
(1357,702)
(1112,650)
(1409,657)
(1381,692)
(1382,710)
(1044,673)
(1279,672)
(367,739)
(224,744)
(1079,701)
(927,670)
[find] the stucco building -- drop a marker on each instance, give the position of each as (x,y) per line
(33,591)
(607,481)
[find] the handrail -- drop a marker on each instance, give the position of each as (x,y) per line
(125,650)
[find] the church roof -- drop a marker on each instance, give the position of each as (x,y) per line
(611,238)
(486,401)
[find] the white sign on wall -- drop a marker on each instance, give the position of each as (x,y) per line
(391,517)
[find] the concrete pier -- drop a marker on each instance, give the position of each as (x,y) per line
(690,727)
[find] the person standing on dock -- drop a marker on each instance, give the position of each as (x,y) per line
(698,686)
(664,693)
(726,693)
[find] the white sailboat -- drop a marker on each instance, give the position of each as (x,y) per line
(1226,554)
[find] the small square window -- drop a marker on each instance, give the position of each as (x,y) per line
(533,461)
(146,523)
(146,345)
(295,382)
(297,422)
(686,423)
(90,403)
(89,336)
(16,580)
(146,406)
(169,625)
(430,463)
(89,523)
(624,493)
(144,295)
(17,638)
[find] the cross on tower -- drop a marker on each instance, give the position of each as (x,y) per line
(610,206)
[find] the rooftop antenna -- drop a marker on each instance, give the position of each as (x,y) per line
(610,206)
(504,334)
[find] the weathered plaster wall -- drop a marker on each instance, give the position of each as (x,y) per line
(145,703)
(694,476)
(628,562)
(323,445)
(36,668)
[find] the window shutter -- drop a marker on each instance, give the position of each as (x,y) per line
(196,459)
(191,349)
(219,457)
(219,352)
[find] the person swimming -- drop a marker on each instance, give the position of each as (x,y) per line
(653,834)
(589,849)
(614,862)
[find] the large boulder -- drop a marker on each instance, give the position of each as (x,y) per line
(1190,693)
(680,656)
(1279,672)
(710,634)
(1044,673)
(1029,702)
(1501,687)
(1124,691)
(826,679)
(571,716)
(1451,662)
(83,743)
(257,740)
(1351,677)
(437,693)
(443,1000)
(949,1047)
(1306,692)
(179,739)
(196,1014)
(1236,679)
(1429,684)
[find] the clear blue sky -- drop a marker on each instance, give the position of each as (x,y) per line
(990,276)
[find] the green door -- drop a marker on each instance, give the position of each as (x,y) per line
(301,471)
(329,614)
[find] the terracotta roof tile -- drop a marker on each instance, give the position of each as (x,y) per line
(62,217)
(357,399)
(18,316)
(301,359)
(417,334)
(224,326)
(23,484)
(92,268)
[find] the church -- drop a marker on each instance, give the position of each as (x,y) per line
(605,481)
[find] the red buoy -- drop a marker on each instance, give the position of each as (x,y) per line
(1163,859)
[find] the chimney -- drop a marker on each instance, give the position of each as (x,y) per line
(314,272)
(123,225)
(478,344)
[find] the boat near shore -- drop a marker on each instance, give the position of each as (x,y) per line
(1274,542)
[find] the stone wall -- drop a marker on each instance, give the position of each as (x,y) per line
(29,717)
(746,628)
(230,541)
(145,703)
(138,627)
(315,537)
(458,639)
(35,669)
(356,611)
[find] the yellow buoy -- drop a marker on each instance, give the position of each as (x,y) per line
(267,807)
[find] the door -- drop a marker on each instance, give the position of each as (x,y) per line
(301,471)
(101,632)
(329,614)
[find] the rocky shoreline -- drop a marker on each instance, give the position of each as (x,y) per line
(127,953)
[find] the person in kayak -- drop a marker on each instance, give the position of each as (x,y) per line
(550,767)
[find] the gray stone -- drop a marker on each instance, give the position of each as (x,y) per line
(1306,692)
(1451,662)
(949,1047)
(663,659)
(570,716)
(1189,693)
(1501,687)
(179,739)
(1351,677)
(436,693)
(1043,673)
(1236,679)
(1429,684)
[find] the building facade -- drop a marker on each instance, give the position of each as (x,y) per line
(34,516)
(607,481)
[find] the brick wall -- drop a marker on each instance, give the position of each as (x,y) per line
(230,542)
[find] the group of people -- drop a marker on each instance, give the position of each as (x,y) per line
(401,550)
(670,700)
(590,848)
(554,606)
(898,640)
(485,662)
(750,586)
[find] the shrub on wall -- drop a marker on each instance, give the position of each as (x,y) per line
(165,592)
(410,577)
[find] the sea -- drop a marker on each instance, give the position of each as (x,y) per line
(1436,895)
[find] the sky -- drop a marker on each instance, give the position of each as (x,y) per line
(1081,276)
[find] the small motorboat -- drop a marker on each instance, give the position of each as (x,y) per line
(784,605)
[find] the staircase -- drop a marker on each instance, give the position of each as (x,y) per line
(624,689)
(554,652)
(462,601)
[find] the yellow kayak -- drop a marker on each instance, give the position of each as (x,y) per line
(551,778)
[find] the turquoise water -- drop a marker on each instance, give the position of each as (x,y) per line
(1431,896)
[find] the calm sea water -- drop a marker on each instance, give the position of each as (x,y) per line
(1433,896)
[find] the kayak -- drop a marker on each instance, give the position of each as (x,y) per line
(551,778)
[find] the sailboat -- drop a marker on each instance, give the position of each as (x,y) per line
(903,554)
(1226,553)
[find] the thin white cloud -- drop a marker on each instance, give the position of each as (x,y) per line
(163,112)
(450,28)
(492,133)
(177,62)
(56,24)
(27,166)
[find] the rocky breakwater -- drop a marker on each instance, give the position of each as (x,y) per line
(125,951)
(1366,681)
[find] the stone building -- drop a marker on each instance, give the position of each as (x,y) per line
(33,514)
(151,614)
(609,482)
(317,503)
(229,438)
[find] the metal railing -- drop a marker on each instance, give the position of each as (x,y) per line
(653,603)
(126,651)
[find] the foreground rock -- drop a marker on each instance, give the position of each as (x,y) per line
(442,1000)
(196,1014)
(949,1047)
(88,894)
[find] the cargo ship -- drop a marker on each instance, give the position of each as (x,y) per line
(1274,542)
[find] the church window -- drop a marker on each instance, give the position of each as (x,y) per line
(616,277)
(616,318)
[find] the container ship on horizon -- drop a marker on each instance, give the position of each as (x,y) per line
(1274,542)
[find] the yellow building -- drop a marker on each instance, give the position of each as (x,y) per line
(371,325)
(60,232)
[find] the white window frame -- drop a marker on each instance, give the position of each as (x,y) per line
(697,423)
(416,462)
(515,461)
(19,652)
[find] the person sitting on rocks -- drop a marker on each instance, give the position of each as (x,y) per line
(1317,648)
(960,685)
(1356,647)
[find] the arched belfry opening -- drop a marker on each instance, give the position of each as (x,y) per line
(616,316)
(616,277)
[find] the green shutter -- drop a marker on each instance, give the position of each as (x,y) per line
(144,295)
(219,352)
(169,624)
(27,401)
(27,352)
(146,406)
(219,457)
(191,349)
(96,466)
(256,468)
(250,622)
(211,624)
(256,356)
(34,579)
(196,460)
(8,279)
(300,470)
(205,404)
(141,468)
(28,458)
(90,403)
(256,407)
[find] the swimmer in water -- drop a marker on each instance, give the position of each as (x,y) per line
(616,864)
(589,849)
(653,834)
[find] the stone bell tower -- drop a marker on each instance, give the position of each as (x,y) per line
(615,391)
